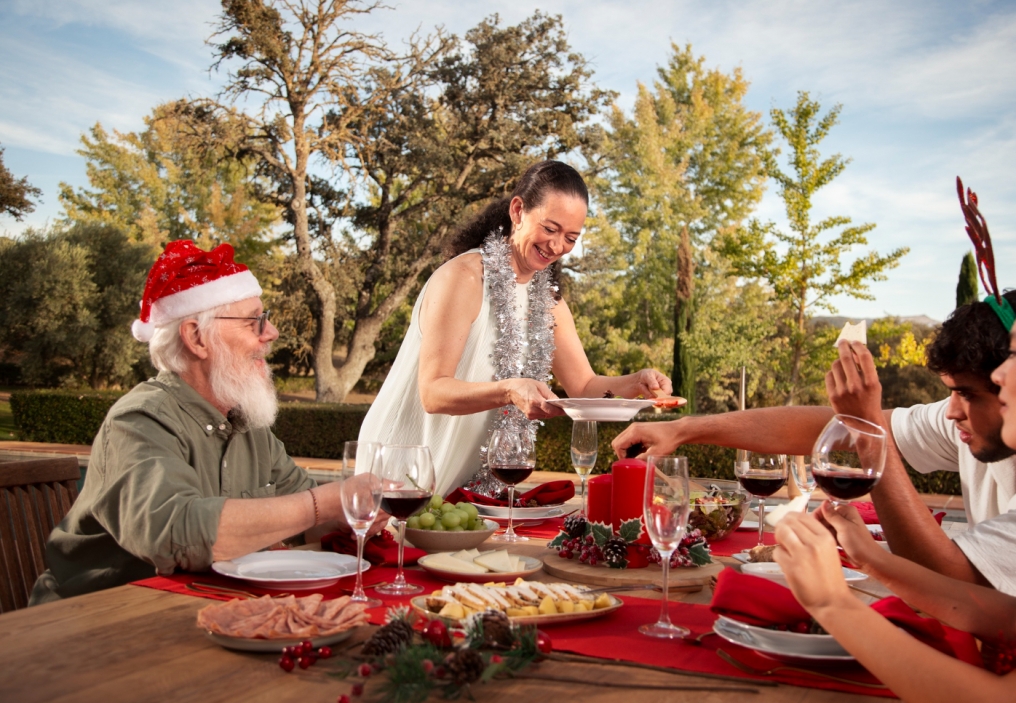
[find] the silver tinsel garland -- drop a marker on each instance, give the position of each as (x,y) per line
(509,355)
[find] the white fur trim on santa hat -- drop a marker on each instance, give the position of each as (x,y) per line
(221,291)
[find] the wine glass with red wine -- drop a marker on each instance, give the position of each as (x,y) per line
(848,457)
(407,484)
(510,458)
(761,475)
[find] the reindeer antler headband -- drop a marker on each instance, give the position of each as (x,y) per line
(977,230)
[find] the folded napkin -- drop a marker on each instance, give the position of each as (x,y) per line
(380,550)
(870,517)
(764,603)
(550,493)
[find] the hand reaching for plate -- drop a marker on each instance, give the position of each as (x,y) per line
(531,396)
(658,438)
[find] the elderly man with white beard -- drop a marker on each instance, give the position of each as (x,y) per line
(185,470)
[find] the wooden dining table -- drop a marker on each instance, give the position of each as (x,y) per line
(139,644)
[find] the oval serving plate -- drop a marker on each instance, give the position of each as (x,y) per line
(290,569)
(781,644)
(601,409)
(541,511)
(420,605)
(245,644)
(532,566)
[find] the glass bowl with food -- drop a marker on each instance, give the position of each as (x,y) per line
(717,507)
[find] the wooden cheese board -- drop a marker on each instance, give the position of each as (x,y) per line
(681,579)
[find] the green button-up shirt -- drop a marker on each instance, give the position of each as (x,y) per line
(162,466)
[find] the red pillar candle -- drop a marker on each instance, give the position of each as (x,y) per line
(627,492)
(598,498)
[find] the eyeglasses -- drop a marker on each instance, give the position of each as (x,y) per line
(261,319)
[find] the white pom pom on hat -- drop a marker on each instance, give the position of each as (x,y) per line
(186,280)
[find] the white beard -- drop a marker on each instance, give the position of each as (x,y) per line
(244,387)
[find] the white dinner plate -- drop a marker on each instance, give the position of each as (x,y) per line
(772,571)
(530,564)
(290,569)
(601,409)
(245,644)
(542,512)
(748,524)
(781,644)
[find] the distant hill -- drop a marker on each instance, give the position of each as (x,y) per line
(839,320)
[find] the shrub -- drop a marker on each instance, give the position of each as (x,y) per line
(319,430)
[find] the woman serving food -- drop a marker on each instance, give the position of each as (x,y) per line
(488,330)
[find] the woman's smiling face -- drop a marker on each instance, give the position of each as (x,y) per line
(545,233)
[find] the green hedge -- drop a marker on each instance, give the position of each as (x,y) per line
(320,430)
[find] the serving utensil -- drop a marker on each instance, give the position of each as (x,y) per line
(749,669)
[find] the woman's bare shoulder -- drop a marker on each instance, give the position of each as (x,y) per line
(464,271)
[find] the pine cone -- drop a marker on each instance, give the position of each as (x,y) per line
(497,630)
(615,553)
(389,639)
(465,666)
(575,526)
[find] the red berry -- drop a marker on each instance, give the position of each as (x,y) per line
(496,659)
(286,663)
(357,689)
(428,666)
(288,652)
(364,670)
(324,652)
(439,672)
(343,699)
(306,647)
(436,632)
(306,661)
(543,642)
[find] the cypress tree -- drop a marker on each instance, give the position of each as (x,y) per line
(684,366)
(966,288)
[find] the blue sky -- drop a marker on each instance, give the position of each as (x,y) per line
(928,91)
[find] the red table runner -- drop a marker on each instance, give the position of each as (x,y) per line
(739,541)
(616,636)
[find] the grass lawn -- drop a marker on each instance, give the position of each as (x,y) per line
(6,422)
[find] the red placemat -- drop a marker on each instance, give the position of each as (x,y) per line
(739,541)
(616,636)
(177,583)
(547,529)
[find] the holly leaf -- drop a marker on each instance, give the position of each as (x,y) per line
(699,553)
(558,541)
(631,530)
(601,532)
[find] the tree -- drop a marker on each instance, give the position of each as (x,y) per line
(65,319)
(691,157)
(417,140)
(804,267)
(967,287)
(15,193)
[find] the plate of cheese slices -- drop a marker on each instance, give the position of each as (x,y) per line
(474,566)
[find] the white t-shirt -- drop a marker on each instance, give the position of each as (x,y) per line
(930,442)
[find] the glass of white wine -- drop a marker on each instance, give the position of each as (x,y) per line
(584,444)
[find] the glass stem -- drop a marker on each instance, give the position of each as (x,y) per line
(400,578)
(358,593)
(761,518)
(582,477)
(664,602)
(511,505)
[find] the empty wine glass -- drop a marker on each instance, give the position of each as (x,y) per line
(762,475)
(359,454)
(800,471)
(407,483)
(361,499)
(584,446)
(510,459)
(848,457)
(665,507)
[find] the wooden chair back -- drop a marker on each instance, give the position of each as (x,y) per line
(34,497)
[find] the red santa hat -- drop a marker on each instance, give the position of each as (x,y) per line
(186,280)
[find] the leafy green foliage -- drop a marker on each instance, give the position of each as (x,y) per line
(16,194)
(600,531)
(60,416)
(805,266)
(65,319)
(630,530)
(967,287)
(699,553)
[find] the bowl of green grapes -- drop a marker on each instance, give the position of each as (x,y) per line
(444,527)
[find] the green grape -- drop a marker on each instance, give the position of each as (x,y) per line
(426,520)
(471,509)
(447,507)
(436,500)
(413,523)
(479,525)
(457,528)
(438,527)
(463,516)
(451,520)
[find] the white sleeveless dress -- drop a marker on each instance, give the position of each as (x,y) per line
(397,415)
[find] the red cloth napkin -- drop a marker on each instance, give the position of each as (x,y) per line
(381,549)
(758,601)
(550,493)
(870,517)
